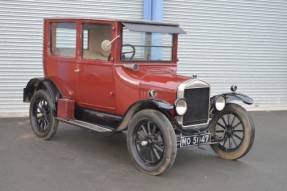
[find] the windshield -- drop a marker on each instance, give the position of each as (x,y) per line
(146,46)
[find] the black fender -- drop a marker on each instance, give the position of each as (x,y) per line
(233,96)
(156,104)
(229,97)
(36,84)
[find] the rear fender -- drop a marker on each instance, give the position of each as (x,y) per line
(36,84)
(159,105)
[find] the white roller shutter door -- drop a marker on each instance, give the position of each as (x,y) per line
(21,39)
(238,42)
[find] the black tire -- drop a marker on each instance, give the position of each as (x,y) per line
(151,142)
(42,119)
(235,128)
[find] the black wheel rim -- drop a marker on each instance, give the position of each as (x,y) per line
(149,142)
(41,114)
(230,130)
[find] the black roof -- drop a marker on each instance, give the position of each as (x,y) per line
(137,25)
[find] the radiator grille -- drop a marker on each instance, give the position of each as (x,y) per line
(197,106)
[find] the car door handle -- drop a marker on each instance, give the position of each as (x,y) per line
(77,70)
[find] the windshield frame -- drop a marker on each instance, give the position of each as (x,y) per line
(173,46)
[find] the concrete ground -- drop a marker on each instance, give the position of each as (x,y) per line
(78,160)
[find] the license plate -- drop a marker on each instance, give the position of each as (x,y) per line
(194,140)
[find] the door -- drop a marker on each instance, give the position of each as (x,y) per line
(95,78)
(60,62)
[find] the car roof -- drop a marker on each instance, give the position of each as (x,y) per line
(121,20)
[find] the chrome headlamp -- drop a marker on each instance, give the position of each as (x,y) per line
(220,103)
(180,106)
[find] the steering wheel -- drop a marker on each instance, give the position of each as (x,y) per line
(133,52)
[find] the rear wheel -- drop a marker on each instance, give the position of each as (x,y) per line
(235,130)
(43,122)
(151,142)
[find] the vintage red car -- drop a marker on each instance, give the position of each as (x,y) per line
(115,75)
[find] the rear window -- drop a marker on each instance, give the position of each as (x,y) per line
(63,39)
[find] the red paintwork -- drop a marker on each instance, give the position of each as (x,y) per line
(106,85)
(66,108)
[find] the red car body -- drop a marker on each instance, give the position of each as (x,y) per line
(106,85)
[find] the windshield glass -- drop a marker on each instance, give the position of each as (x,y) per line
(146,46)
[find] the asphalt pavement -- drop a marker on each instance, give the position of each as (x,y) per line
(80,160)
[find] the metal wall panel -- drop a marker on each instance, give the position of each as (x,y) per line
(21,38)
(238,42)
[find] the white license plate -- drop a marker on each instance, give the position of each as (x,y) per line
(194,140)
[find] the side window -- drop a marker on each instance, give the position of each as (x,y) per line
(63,39)
(93,36)
(85,39)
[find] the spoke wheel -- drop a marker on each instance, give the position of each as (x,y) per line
(42,114)
(151,142)
(42,120)
(230,129)
(234,129)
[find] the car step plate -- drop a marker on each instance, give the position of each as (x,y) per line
(195,140)
(83,124)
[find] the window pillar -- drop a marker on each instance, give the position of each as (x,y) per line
(153,11)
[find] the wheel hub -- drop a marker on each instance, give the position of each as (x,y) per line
(40,115)
(229,132)
(144,143)
(150,142)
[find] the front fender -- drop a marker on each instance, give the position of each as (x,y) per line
(144,104)
(229,97)
(233,96)
(161,104)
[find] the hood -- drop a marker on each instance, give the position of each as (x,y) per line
(132,86)
(162,81)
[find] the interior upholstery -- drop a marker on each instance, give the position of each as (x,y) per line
(96,35)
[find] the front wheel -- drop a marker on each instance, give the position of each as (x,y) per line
(234,129)
(151,142)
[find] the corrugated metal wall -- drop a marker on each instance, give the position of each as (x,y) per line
(21,38)
(238,42)
(228,42)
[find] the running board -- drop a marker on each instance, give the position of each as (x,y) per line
(86,125)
